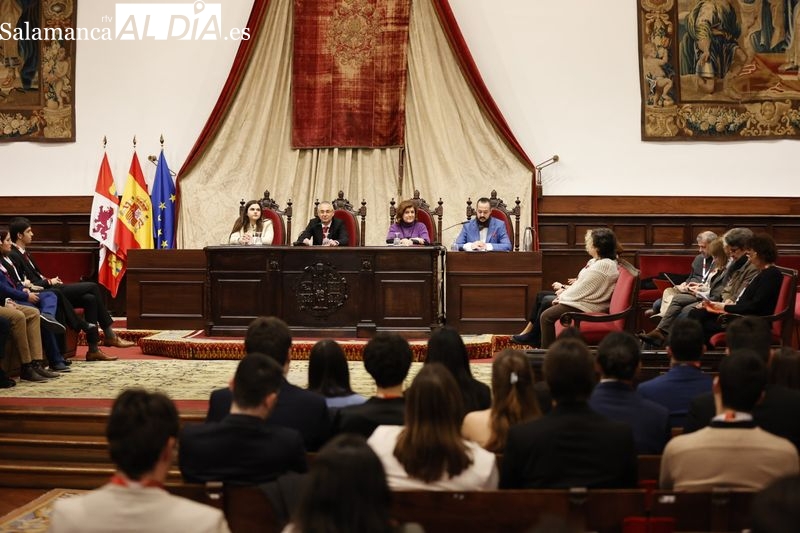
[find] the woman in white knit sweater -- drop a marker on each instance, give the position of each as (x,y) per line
(591,291)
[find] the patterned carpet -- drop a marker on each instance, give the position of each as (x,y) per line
(180,379)
(34,517)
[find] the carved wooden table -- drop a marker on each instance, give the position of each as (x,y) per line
(341,292)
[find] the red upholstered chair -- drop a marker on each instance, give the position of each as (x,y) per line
(282,229)
(354,221)
(502,212)
(782,320)
(425,215)
(621,312)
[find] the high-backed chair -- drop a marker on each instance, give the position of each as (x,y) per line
(282,229)
(781,320)
(424,214)
(501,211)
(621,314)
(354,221)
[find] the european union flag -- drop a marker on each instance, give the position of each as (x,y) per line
(163,198)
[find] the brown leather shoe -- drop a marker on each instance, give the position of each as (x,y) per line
(99,355)
(116,342)
(654,337)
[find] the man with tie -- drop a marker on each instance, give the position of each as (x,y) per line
(484,233)
(323,229)
(84,294)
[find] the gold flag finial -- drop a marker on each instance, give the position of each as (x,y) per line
(162,141)
(134,142)
(105,142)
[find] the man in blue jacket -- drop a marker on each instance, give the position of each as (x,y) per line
(484,233)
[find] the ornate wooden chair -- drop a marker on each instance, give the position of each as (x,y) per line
(354,221)
(424,214)
(281,220)
(501,211)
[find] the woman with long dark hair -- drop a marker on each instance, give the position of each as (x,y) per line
(250,227)
(429,452)
(329,375)
(446,347)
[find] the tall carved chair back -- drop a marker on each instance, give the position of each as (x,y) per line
(501,211)
(281,219)
(354,221)
(432,218)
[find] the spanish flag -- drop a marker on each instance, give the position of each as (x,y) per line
(135,218)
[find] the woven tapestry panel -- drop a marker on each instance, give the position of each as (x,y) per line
(37,70)
(719,70)
(349,73)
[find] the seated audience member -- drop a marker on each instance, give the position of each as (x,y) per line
(592,290)
(142,434)
(619,360)
(514,400)
(26,337)
(777,411)
(571,446)
(760,295)
(250,228)
(483,233)
(702,266)
(84,294)
(784,368)
(329,375)
(776,509)
(429,453)
(5,334)
(346,491)
(387,358)
(733,452)
(407,229)
(242,448)
(446,346)
(684,380)
(324,229)
(296,408)
(682,303)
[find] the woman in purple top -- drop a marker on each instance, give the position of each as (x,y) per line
(407,228)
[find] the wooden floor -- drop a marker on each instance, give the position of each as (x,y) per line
(11,498)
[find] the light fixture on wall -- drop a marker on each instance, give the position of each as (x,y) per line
(154,159)
(544,164)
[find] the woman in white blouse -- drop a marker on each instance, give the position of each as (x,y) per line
(429,453)
(250,228)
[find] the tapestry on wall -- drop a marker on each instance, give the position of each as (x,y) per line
(719,70)
(349,73)
(37,70)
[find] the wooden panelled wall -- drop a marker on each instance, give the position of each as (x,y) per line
(640,222)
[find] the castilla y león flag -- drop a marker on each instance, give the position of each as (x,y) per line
(103,228)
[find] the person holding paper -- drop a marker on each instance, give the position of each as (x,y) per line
(483,233)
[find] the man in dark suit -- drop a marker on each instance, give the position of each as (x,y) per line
(323,229)
(619,359)
(684,380)
(296,408)
(84,294)
(571,446)
(387,358)
(242,448)
(777,411)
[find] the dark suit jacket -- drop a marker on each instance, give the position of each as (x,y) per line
(337,232)
(363,419)
(675,390)
(777,413)
(296,408)
(572,446)
(240,449)
(649,420)
(28,267)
